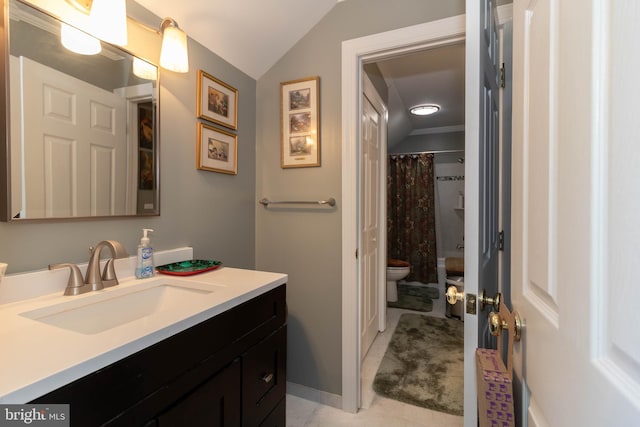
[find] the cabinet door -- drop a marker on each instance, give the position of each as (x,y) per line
(277,417)
(216,403)
(263,378)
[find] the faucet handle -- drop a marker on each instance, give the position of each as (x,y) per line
(75,284)
(109,274)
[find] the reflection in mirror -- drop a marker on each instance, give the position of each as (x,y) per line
(83,129)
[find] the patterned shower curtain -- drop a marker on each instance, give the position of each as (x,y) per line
(411,220)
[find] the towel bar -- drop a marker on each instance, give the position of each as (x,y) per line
(330,201)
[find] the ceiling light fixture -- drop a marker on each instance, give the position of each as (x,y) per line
(174,55)
(424,109)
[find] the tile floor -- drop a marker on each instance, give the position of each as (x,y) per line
(376,411)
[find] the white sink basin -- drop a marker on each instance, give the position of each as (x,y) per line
(100,311)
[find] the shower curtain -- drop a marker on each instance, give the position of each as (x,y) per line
(411,223)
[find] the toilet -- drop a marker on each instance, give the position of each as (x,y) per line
(396,270)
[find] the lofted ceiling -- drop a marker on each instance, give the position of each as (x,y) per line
(253,35)
(433,76)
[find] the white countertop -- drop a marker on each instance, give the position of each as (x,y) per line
(37,358)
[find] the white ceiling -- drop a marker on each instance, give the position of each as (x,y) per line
(434,76)
(253,35)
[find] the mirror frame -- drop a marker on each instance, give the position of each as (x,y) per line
(141,39)
(5,181)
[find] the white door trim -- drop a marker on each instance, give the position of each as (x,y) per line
(354,53)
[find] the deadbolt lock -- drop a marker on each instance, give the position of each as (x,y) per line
(486,300)
(471,304)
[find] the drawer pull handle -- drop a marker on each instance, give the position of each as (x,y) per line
(267,378)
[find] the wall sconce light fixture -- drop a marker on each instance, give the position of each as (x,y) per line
(174,55)
(144,70)
(109,21)
(78,41)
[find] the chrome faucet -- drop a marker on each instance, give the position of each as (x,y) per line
(93,280)
(108,277)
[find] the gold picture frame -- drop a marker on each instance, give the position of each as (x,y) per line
(217,101)
(217,150)
(300,123)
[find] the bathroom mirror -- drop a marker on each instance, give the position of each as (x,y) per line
(81,134)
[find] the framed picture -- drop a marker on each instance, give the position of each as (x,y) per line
(300,123)
(217,101)
(217,150)
(146,169)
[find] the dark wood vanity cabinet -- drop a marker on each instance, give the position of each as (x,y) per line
(215,403)
(229,370)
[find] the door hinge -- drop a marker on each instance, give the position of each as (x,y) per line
(501,241)
(356,253)
(503,77)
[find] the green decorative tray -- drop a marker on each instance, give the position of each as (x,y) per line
(188,268)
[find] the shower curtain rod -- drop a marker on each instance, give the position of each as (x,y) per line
(426,152)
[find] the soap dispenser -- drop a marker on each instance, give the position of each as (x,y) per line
(144,264)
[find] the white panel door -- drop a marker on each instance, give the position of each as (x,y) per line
(372,217)
(575,199)
(75,152)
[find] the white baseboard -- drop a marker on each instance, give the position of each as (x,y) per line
(314,395)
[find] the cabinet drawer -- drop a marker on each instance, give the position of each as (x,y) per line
(263,377)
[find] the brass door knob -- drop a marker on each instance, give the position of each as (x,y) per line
(486,300)
(453,296)
(497,323)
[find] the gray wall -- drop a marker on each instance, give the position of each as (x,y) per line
(306,243)
(212,212)
(450,221)
(429,142)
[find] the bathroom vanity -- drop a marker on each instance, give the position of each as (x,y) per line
(219,360)
(228,370)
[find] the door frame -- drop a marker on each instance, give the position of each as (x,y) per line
(355,53)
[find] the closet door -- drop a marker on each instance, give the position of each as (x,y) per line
(372,217)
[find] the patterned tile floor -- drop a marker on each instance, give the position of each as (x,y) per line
(376,411)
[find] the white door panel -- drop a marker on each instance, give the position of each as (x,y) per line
(574,238)
(372,217)
(94,148)
(60,172)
